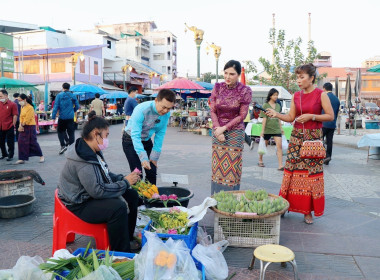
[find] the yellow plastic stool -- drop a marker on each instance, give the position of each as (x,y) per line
(272,253)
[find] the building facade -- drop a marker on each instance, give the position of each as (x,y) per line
(370,62)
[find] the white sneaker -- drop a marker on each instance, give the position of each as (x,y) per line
(252,144)
(63,149)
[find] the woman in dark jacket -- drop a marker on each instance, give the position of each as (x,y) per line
(92,192)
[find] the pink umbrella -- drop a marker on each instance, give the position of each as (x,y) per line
(181,83)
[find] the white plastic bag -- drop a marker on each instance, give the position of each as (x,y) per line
(213,260)
(103,273)
(147,262)
(262,150)
(203,238)
(285,145)
(27,268)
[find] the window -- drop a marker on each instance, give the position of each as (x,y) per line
(376,84)
(158,42)
(82,66)
(137,51)
(168,40)
(168,55)
(58,65)
(169,69)
(109,45)
(158,56)
(163,69)
(365,84)
(32,66)
(96,68)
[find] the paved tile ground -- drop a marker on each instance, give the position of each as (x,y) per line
(342,244)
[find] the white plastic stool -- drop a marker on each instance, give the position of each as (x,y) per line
(272,253)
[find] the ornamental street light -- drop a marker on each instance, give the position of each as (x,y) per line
(198,38)
(126,70)
(217,52)
(74,60)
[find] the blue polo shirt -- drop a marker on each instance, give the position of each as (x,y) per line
(335,105)
(129,106)
(144,122)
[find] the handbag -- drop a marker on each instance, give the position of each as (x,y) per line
(311,149)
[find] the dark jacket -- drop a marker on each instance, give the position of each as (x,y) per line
(83,177)
(335,104)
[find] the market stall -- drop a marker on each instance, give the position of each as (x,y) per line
(254,129)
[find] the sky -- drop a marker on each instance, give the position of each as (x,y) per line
(349,29)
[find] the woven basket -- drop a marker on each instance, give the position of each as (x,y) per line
(240,193)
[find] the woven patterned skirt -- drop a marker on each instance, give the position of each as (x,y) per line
(303,182)
(27,143)
(227,161)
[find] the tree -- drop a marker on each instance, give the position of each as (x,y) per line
(286,57)
(251,69)
(208,76)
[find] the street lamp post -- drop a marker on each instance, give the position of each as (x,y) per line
(74,60)
(217,52)
(198,38)
(126,69)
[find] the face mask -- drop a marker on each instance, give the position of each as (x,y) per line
(22,103)
(104,145)
(2,100)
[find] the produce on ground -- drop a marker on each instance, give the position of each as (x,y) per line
(174,221)
(145,189)
(250,202)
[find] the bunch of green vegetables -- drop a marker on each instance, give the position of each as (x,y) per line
(82,265)
(251,202)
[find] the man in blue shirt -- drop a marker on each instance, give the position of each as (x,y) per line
(130,103)
(148,118)
(67,105)
(329,127)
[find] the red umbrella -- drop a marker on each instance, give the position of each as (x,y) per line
(180,83)
(242,76)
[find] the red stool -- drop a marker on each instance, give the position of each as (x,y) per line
(66,225)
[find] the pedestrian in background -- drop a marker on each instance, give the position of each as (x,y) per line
(119,108)
(8,119)
(27,143)
(15,96)
(271,127)
(130,103)
(303,182)
(98,106)
(247,138)
(66,104)
(229,105)
(329,127)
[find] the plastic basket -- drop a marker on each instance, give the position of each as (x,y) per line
(247,232)
(190,239)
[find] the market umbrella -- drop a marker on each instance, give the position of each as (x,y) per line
(85,88)
(337,87)
(207,86)
(374,68)
(348,93)
(180,83)
(358,83)
(114,95)
(242,76)
(13,83)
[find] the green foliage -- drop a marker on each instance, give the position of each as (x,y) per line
(250,68)
(207,77)
(287,55)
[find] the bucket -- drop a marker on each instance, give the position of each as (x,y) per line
(184,196)
(15,206)
(372,125)
(12,184)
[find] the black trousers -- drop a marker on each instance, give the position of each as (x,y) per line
(134,160)
(66,128)
(7,136)
(114,212)
(328,134)
(17,132)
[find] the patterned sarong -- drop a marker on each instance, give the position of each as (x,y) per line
(227,161)
(27,143)
(303,182)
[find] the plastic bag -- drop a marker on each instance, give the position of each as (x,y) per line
(285,145)
(27,268)
(164,261)
(262,150)
(103,273)
(213,260)
(6,274)
(203,238)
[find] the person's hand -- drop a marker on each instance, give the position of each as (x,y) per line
(221,138)
(219,130)
(304,118)
(271,113)
(282,131)
(154,162)
(132,178)
(20,128)
(262,134)
(145,164)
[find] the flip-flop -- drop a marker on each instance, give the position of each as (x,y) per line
(308,221)
(261,164)
(280,169)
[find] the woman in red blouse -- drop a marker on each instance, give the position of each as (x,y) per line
(229,104)
(303,183)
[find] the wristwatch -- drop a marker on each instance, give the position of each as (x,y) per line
(313,118)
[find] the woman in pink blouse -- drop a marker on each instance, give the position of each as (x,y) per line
(229,106)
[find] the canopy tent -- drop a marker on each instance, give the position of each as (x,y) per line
(14,83)
(181,84)
(207,86)
(193,94)
(375,68)
(114,95)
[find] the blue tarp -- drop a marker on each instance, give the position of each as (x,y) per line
(372,140)
(114,95)
(207,86)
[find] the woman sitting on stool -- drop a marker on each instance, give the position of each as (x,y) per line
(92,192)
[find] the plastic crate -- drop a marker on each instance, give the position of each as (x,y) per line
(198,264)
(247,232)
(190,239)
